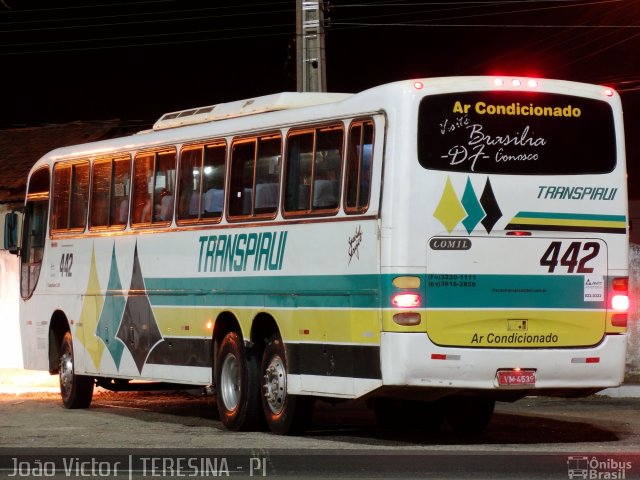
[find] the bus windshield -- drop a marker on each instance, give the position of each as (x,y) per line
(516,133)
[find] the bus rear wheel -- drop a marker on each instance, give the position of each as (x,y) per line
(76,390)
(285,414)
(237,385)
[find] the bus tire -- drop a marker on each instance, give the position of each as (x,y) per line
(237,385)
(285,414)
(76,390)
(468,414)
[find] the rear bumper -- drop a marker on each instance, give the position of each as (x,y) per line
(408,360)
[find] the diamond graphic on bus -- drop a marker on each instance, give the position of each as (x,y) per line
(471,210)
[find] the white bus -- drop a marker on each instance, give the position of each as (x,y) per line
(429,245)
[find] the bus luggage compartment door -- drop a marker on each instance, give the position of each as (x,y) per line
(489,292)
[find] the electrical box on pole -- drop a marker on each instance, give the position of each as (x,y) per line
(310,53)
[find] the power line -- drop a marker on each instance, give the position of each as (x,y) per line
(505,12)
(141,22)
(480,25)
(131,37)
(177,42)
(87,7)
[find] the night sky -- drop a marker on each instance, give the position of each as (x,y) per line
(135,60)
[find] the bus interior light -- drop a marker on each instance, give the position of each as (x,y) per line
(516,82)
(608,92)
(418,85)
(498,82)
(532,83)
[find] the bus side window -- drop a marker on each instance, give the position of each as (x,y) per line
(267,175)
(120,186)
(110,193)
(298,172)
(213,175)
(189,183)
(359,167)
(164,183)
(61,193)
(100,194)
(70,196)
(243,158)
(79,196)
(327,168)
(313,171)
(153,188)
(142,188)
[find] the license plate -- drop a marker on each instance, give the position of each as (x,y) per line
(510,378)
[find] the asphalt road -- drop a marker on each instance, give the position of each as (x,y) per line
(178,434)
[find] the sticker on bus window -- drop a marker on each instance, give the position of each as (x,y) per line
(593,288)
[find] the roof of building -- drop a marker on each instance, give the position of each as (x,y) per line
(20,148)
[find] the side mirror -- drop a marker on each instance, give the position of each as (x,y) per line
(11,230)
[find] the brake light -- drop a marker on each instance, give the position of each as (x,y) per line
(620,303)
(620,297)
(516,82)
(406,300)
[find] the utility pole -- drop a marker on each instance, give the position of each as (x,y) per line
(310,54)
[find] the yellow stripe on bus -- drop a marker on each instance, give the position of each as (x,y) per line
(312,325)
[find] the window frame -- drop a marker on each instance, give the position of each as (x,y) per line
(111,159)
(200,219)
(152,223)
(311,211)
(255,139)
(71,164)
(359,209)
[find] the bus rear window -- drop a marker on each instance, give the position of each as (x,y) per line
(516,133)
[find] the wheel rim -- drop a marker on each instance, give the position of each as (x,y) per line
(230,382)
(275,385)
(66,372)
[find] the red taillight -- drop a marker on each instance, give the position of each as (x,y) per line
(619,320)
(406,300)
(518,233)
(620,284)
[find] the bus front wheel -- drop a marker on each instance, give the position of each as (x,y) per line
(76,390)
(237,385)
(285,414)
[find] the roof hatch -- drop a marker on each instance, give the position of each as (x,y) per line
(267,103)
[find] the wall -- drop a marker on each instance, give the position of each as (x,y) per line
(633,350)
(10,349)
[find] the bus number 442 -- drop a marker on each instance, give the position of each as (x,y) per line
(65,264)
(575,257)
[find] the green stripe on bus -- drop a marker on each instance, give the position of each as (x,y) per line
(509,291)
(572,216)
(372,291)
